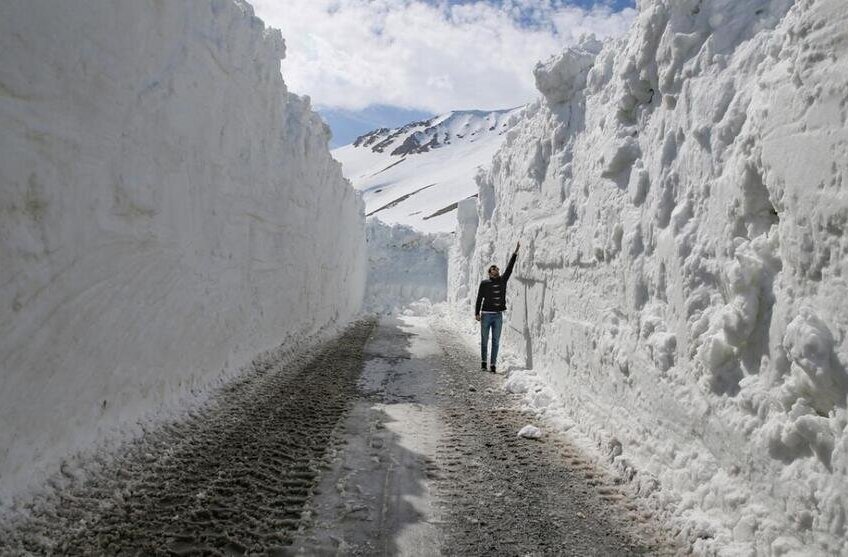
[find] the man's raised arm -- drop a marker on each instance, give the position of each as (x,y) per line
(511,263)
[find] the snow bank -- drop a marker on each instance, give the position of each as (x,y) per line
(167,211)
(404,266)
(683,211)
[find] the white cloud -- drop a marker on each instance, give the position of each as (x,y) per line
(414,54)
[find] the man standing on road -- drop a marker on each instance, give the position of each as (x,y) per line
(491,303)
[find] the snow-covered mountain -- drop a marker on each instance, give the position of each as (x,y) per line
(416,174)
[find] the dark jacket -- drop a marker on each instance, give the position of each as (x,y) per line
(491,296)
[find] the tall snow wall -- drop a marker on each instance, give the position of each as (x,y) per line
(404,266)
(681,199)
(167,211)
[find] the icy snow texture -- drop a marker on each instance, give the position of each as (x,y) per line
(404,266)
(167,211)
(681,285)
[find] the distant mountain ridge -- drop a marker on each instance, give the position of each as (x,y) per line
(424,135)
(347,125)
(416,174)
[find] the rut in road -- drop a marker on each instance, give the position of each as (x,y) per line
(233,479)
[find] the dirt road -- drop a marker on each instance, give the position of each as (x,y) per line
(385,441)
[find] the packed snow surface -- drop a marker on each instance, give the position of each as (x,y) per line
(681,198)
(167,211)
(416,174)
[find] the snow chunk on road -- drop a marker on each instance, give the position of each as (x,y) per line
(517,383)
(530,432)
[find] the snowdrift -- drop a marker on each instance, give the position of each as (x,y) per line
(167,211)
(404,266)
(682,202)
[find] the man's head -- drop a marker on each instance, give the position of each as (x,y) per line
(494,272)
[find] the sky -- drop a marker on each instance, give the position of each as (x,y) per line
(375,63)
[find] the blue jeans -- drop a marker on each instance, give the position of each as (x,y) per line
(495,322)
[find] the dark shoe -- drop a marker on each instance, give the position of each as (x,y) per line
(493,370)
(483,366)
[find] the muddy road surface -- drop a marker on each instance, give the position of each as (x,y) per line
(388,440)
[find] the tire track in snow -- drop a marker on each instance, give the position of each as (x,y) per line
(232,479)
